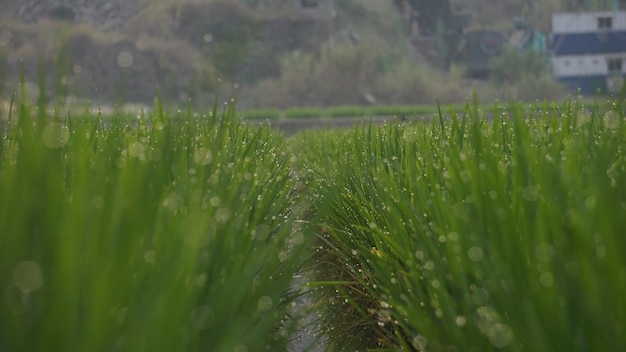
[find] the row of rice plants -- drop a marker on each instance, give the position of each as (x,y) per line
(471,234)
(341,111)
(145,235)
(400,111)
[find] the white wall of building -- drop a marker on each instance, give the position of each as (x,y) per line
(585,22)
(585,65)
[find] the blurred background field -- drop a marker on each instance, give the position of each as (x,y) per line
(273,53)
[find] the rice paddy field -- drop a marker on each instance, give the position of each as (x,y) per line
(194,231)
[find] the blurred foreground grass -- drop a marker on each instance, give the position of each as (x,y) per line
(145,234)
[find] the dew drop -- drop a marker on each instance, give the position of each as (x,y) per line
(531,193)
(136,149)
(590,202)
(240,348)
(150,257)
(453,236)
(480,296)
(544,252)
(203,156)
(296,238)
(475,254)
(173,202)
(500,335)
(460,321)
(96,202)
(419,255)
(222,215)
(265,303)
(215,201)
(546,279)
(125,59)
(419,342)
(202,317)
(29,276)
(55,135)
(283,255)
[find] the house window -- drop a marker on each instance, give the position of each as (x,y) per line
(308,3)
(614,65)
(605,22)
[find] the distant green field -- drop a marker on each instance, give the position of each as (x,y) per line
(184,231)
(344,111)
(401,111)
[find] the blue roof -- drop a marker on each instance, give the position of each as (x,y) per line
(589,43)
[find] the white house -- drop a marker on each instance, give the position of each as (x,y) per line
(589,50)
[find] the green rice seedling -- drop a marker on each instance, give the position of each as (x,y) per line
(165,233)
(402,110)
(469,234)
(303,112)
(346,111)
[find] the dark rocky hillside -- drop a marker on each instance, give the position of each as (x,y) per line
(108,14)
